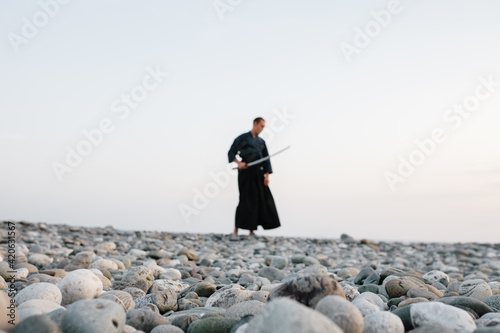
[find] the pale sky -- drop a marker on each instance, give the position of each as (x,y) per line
(349,117)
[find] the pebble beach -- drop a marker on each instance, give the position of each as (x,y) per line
(61,278)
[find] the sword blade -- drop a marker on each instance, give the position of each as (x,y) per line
(265,158)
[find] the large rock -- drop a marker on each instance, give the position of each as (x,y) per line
(79,284)
(286,315)
(477,289)
(93,315)
(308,290)
(42,290)
(342,312)
(439,314)
(383,322)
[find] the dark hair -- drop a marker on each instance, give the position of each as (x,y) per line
(258,120)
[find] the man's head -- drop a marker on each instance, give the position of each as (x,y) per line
(258,125)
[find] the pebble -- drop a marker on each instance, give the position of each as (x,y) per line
(166,329)
(79,284)
(121,297)
(383,322)
(437,276)
(183,319)
(171,274)
(479,307)
(308,290)
(277,262)
(81,260)
(42,290)
(104,264)
(165,300)
(93,315)
(342,312)
(145,320)
(271,273)
(363,274)
(439,314)
(350,292)
(398,287)
(368,303)
(286,315)
(139,273)
(36,323)
(476,288)
(242,309)
(493,302)
(228,296)
(39,259)
(39,306)
(212,325)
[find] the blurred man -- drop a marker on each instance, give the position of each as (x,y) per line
(256,205)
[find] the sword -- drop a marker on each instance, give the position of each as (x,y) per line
(264,158)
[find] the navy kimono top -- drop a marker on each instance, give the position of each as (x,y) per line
(250,149)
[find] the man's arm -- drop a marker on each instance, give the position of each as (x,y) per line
(231,154)
(234,150)
(266,164)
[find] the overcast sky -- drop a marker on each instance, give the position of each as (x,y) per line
(391,108)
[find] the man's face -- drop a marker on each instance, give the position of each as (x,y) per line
(258,127)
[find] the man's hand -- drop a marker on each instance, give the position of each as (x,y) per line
(242,165)
(266,179)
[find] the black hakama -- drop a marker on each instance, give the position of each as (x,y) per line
(256,205)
